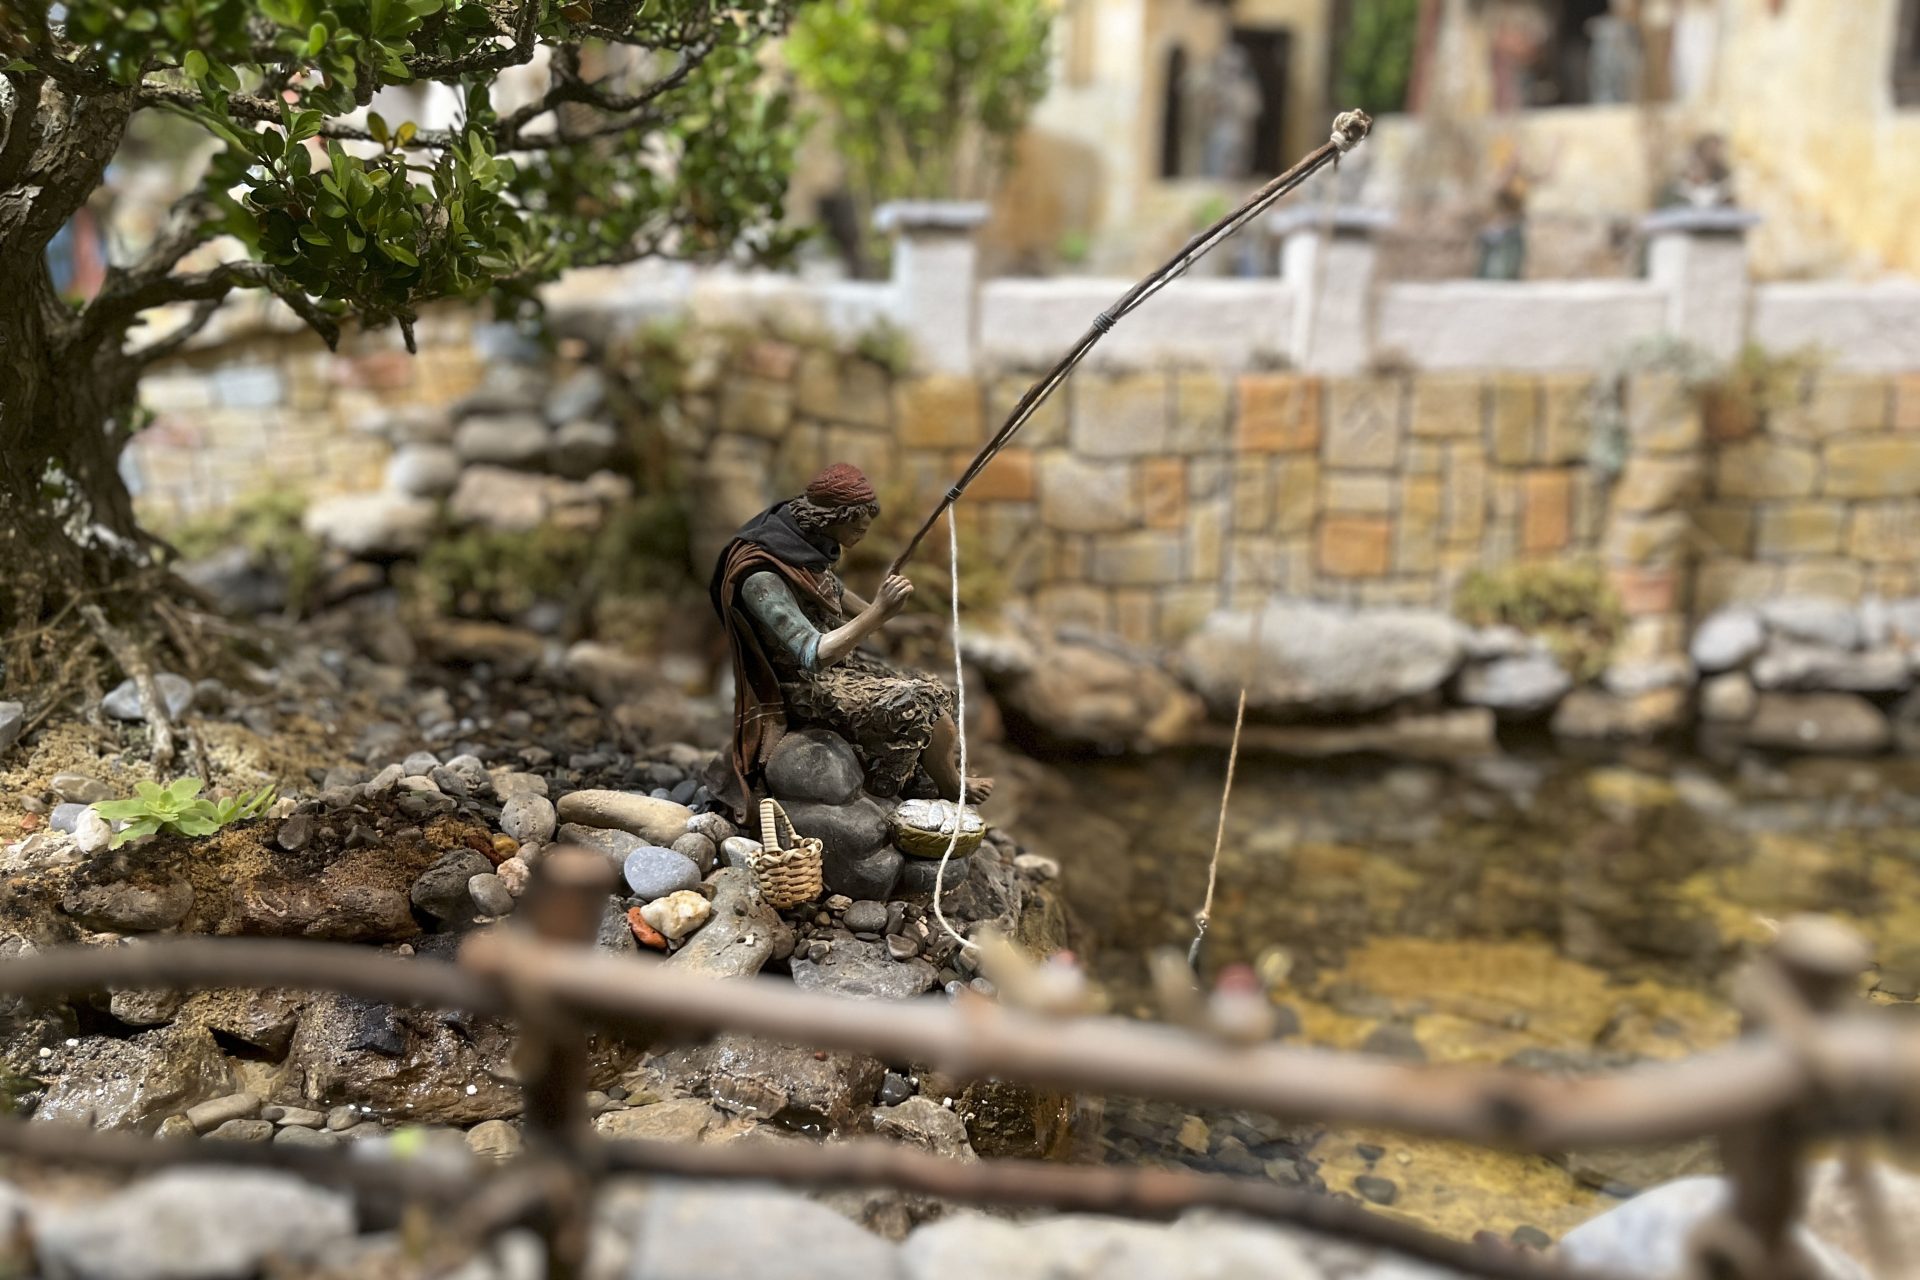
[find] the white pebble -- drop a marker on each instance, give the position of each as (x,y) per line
(677,914)
(472,1089)
(73,1044)
(45,1052)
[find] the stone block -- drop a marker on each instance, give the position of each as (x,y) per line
(940,412)
(1207,477)
(1640,540)
(1142,558)
(866,397)
(1296,494)
(1355,546)
(1513,420)
(1163,492)
(1649,483)
(1252,493)
(1048,425)
(1766,469)
(1010,477)
(1834,578)
(1136,612)
(1184,609)
(1278,413)
(1883,466)
(1363,492)
(1663,416)
(1726,416)
(769,358)
(1727,527)
(1121,416)
(1836,404)
(1906,402)
(756,406)
(1202,412)
(1446,405)
(874,452)
(1074,605)
(1365,422)
(1066,557)
(1725,580)
(1206,540)
(1644,591)
(1799,528)
(1566,420)
(1425,458)
(1078,496)
(505,440)
(1546,513)
(1885,532)
(1465,516)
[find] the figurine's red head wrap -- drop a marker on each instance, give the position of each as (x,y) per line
(841,485)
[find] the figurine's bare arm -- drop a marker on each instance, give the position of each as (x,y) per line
(852,601)
(843,640)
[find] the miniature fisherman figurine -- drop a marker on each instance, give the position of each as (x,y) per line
(795,632)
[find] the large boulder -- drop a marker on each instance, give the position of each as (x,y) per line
(1085,694)
(654,820)
(738,938)
(1317,659)
(1516,686)
(423,470)
(816,765)
(1813,620)
(499,498)
(414,1065)
(789,1085)
(137,1082)
(1727,639)
(1785,664)
(735,1233)
(858,856)
(582,448)
(506,440)
(1841,723)
(863,970)
(125,907)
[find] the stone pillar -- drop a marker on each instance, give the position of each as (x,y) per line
(935,295)
(1328,260)
(1699,256)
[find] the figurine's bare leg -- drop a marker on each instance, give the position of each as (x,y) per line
(942,763)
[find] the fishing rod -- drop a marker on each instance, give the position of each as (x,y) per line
(1349,127)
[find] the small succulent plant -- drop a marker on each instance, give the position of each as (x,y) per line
(178,807)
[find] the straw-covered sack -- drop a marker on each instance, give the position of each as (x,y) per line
(787,868)
(924,828)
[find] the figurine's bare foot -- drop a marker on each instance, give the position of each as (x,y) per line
(978,789)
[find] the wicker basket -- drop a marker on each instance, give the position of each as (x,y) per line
(787,868)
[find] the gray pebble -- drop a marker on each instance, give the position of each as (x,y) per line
(698,849)
(299,1137)
(739,851)
(490,896)
(528,818)
(293,1117)
(243,1131)
(420,763)
(867,917)
(65,816)
(294,833)
(471,772)
(1377,1189)
(13,720)
(652,872)
(343,1117)
(894,1090)
(176,694)
(902,947)
(385,780)
(79,788)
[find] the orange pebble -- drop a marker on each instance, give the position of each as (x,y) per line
(646,934)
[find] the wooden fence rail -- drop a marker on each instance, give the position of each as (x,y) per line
(1807,1070)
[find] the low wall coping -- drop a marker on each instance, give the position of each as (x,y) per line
(930,215)
(1352,219)
(1688,220)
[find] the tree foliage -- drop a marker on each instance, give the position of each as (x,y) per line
(924,95)
(677,150)
(1376,58)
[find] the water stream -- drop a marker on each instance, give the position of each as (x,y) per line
(1559,915)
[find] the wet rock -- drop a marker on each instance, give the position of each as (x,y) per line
(528,819)
(294,1117)
(894,1090)
(858,856)
(816,765)
(1531,1237)
(733,1231)
(1813,620)
(211,1114)
(263,1020)
(617,846)
(1786,665)
(924,1123)
(676,1120)
(13,720)
(441,891)
(581,448)
(1595,715)
(1727,639)
(78,788)
(145,1008)
(242,1131)
(431,1067)
(1081,694)
(738,939)
(182,1225)
(677,914)
(295,833)
(901,946)
(490,896)
(1375,1189)
(129,908)
(136,1082)
(1841,723)
(864,970)
(1728,699)
(698,849)
(652,872)
(739,852)
(1648,1236)
(918,875)
(296,1136)
(1515,686)
(1318,658)
(494,1140)
(659,822)
(176,696)
(423,470)
(866,916)
(790,1085)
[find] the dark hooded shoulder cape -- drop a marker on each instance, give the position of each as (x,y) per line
(771,542)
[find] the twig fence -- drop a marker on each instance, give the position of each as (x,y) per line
(1810,1070)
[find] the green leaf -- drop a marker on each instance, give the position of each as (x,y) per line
(197,824)
(315,236)
(134,831)
(400,254)
(141,20)
(377,126)
(151,792)
(195,64)
(181,790)
(225,76)
(316,38)
(120,810)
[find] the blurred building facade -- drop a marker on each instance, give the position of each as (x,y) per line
(1584,113)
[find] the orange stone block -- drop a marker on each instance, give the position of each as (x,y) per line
(1355,546)
(1163,492)
(1279,413)
(1906,402)
(1546,511)
(1644,592)
(1008,478)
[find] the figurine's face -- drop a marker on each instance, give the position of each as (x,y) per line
(849,531)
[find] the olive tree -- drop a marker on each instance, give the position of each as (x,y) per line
(682,149)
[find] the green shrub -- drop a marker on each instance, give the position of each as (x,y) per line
(1376,57)
(1568,604)
(178,807)
(268,525)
